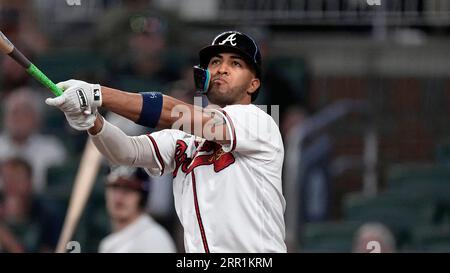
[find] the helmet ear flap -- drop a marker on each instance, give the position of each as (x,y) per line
(201,79)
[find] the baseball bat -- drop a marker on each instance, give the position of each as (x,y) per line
(84,180)
(9,49)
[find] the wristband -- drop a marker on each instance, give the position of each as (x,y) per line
(151,109)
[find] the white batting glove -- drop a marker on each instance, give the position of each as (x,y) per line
(79,103)
(90,94)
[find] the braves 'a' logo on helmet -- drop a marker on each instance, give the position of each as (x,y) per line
(230,39)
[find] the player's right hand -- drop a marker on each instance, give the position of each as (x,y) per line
(79,103)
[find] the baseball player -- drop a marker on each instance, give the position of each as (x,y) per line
(134,230)
(226,160)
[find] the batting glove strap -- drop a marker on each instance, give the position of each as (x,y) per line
(97,95)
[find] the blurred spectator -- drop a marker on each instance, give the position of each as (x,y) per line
(118,23)
(184,88)
(20,23)
(21,137)
(295,116)
(12,75)
(374,238)
(146,47)
(139,53)
(114,26)
(146,58)
(285,77)
(26,223)
(127,191)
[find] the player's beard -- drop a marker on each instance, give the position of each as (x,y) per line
(228,97)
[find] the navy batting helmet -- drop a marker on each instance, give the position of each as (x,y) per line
(237,42)
(132,178)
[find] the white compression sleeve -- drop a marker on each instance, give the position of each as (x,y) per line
(121,149)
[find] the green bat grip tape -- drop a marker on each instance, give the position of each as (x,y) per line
(38,75)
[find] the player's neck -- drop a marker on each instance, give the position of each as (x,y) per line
(243,101)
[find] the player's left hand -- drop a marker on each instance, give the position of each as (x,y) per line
(89,95)
(79,103)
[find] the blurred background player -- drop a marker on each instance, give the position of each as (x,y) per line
(127,191)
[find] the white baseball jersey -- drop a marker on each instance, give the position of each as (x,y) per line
(227,197)
(144,235)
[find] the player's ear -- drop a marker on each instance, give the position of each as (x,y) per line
(254,85)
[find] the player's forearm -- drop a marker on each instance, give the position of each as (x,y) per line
(128,105)
(121,149)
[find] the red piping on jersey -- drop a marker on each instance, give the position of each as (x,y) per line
(199,217)
(232,129)
(158,154)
